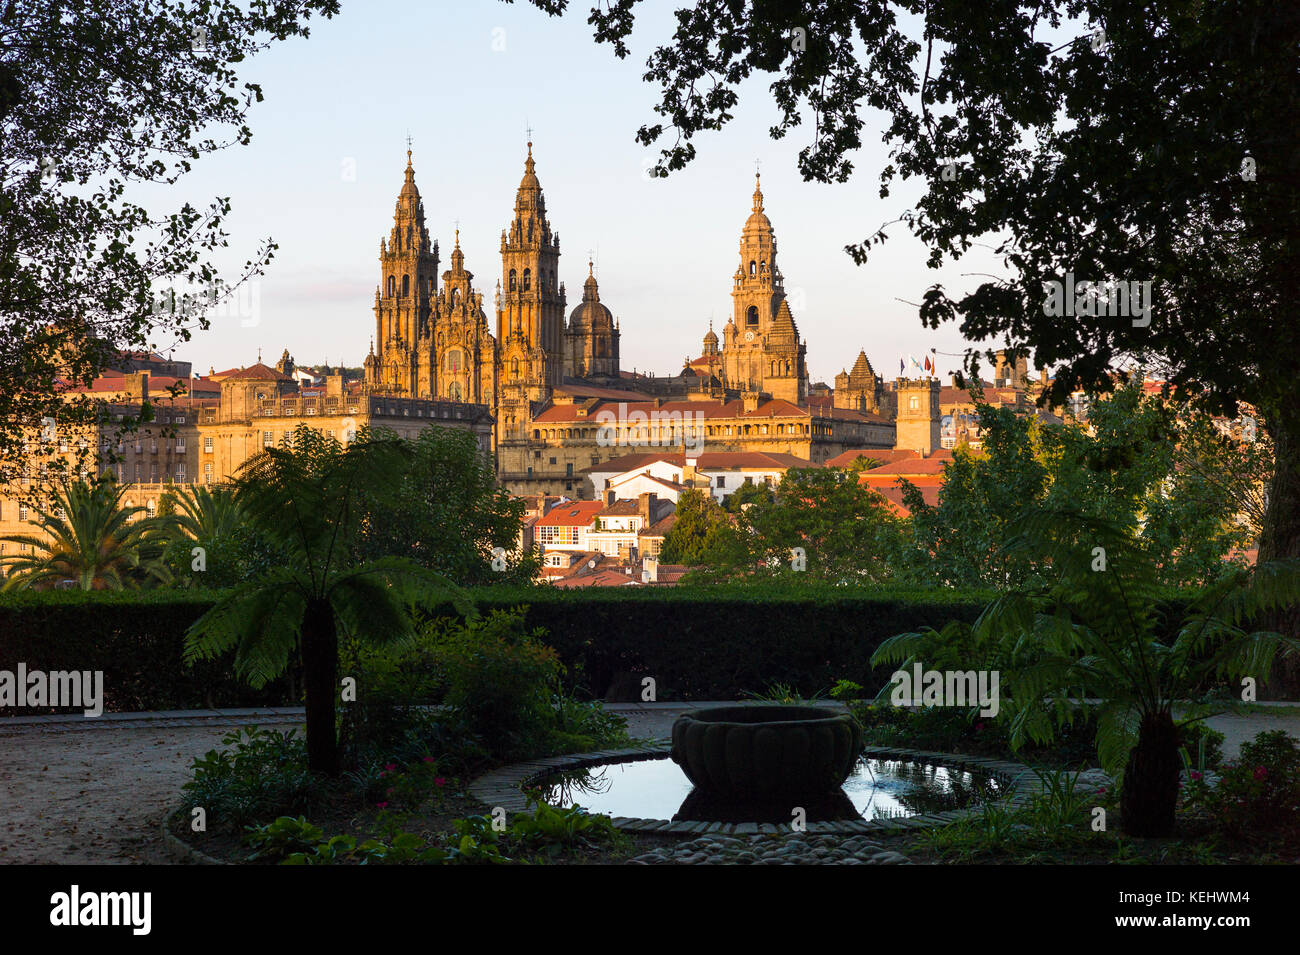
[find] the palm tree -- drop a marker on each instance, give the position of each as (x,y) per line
(304,499)
(87,536)
(203,512)
(1093,625)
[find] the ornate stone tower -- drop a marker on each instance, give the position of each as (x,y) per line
(404,301)
(464,352)
(761,346)
(917,424)
(592,336)
(530,310)
(859,389)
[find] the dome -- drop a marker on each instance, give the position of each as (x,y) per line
(757,220)
(530,180)
(590,313)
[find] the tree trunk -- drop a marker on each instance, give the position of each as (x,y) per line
(1281,539)
(320,658)
(1150,792)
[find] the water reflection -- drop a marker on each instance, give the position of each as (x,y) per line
(877,789)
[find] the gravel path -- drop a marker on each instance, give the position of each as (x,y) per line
(74,794)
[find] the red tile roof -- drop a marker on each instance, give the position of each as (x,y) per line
(257,372)
(572,514)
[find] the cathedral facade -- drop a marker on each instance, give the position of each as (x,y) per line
(542,377)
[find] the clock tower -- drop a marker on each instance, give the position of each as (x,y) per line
(761,346)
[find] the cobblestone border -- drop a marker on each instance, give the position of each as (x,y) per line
(180,850)
(504,788)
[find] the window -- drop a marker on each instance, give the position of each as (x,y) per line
(512,280)
(752,267)
(913,403)
(552,460)
(153,474)
(180,445)
(453,360)
(207,473)
(392,286)
(268,439)
(207,445)
(180,419)
(22,512)
(568,472)
(180,473)
(721,481)
(528,279)
(751,317)
(139,473)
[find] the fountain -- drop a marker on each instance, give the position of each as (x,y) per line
(766,752)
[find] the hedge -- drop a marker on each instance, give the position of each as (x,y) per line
(135,638)
(696,643)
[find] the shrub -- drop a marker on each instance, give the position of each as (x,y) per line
(1259,792)
(260,774)
(500,679)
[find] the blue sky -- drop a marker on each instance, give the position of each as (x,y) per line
(665,248)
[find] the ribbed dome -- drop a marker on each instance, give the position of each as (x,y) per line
(408,187)
(530,180)
(757,221)
(590,313)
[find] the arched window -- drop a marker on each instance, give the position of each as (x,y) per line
(453,360)
(512,280)
(751,317)
(392,286)
(406,285)
(454,391)
(528,279)
(514,367)
(541,279)
(752,268)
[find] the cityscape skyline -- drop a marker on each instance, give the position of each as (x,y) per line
(664,250)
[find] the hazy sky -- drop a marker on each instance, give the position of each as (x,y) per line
(465,80)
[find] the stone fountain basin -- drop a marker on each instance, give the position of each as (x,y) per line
(766,751)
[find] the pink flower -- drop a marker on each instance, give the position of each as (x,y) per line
(439,781)
(1197,776)
(429,759)
(978,727)
(391,766)
(1260,772)
(381,805)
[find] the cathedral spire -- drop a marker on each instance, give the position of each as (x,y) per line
(758,193)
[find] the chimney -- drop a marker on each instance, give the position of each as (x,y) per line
(137,386)
(650,570)
(610,496)
(646,504)
(688,471)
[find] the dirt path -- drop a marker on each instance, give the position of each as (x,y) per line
(70,794)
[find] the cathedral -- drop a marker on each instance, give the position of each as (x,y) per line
(433,340)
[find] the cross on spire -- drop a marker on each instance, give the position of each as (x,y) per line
(408,147)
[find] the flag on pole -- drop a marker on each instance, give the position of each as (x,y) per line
(901,366)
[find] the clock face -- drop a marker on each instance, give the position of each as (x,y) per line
(749,336)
